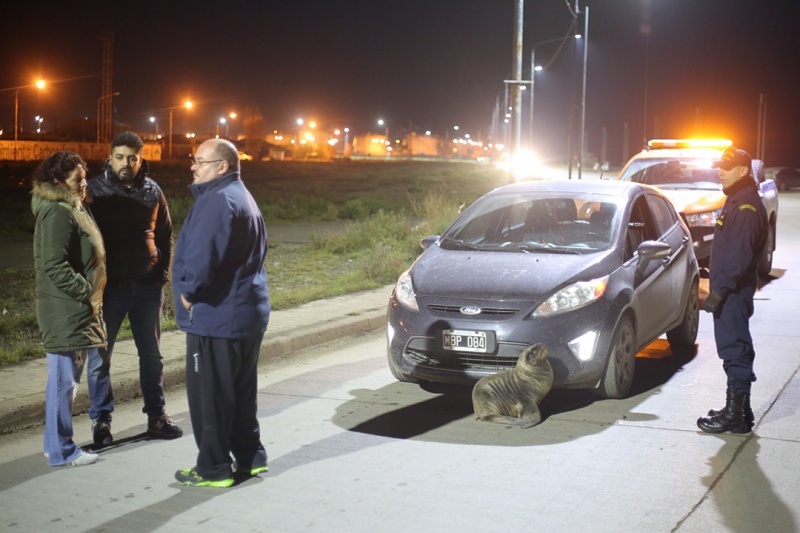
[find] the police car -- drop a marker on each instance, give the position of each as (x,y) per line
(681,169)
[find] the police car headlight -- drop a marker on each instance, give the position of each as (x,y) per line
(572,297)
(707,219)
(404,292)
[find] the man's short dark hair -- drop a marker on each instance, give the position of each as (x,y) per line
(129,139)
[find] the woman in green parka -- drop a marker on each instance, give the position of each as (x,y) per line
(69,259)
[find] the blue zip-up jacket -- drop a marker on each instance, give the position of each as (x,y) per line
(218,264)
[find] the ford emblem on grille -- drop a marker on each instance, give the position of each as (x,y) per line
(471,310)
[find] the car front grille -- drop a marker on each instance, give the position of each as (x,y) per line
(462,360)
(494,312)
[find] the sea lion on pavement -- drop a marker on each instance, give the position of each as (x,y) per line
(512,397)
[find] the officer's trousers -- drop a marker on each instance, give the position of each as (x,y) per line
(734,343)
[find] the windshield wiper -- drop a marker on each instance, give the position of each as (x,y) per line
(459,243)
(547,248)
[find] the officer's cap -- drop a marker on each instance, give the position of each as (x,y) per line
(732,157)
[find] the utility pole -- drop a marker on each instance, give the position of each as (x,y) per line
(762,127)
(583,96)
(104,117)
(516,87)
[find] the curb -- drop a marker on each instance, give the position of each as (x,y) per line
(289,332)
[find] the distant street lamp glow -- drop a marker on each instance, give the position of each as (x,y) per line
(188,105)
(39,84)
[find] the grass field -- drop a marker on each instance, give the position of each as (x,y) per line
(392,205)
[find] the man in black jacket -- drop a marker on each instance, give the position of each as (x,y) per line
(133,217)
(739,240)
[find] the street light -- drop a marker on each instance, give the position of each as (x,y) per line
(232,116)
(188,105)
(39,85)
(155,123)
(535,69)
(382,122)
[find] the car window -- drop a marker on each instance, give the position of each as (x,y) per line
(641,226)
(534,223)
(664,216)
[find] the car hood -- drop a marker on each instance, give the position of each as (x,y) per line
(504,275)
(694,201)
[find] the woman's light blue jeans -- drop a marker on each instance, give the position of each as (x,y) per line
(64,371)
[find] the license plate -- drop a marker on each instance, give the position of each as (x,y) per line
(465,340)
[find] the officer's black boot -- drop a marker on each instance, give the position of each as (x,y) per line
(730,418)
(749,417)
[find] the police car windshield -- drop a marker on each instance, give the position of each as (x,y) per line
(673,174)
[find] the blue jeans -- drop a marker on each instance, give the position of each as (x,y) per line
(64,371)
(142,302)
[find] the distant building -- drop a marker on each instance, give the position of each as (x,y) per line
(370,144)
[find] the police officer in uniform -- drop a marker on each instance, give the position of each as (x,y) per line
(739,240)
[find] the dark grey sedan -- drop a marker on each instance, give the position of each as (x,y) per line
(595,270)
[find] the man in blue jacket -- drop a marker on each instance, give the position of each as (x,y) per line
(739,240)
(222,303)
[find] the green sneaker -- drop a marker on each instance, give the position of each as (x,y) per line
(188,476)
(253,471)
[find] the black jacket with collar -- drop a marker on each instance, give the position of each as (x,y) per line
(136,226)
(739,240)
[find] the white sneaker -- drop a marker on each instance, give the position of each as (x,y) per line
(85,458)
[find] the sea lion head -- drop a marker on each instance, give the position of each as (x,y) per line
(533,355)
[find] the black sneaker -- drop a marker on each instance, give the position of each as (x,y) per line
(163,426)
(101,432)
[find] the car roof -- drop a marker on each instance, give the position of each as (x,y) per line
(616,188)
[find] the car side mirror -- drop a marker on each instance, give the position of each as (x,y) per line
(426,242)
(652,250)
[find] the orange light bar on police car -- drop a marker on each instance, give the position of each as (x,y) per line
(720,144)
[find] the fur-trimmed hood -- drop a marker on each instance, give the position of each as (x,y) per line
(53,192)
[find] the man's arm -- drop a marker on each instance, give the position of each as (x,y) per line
(163,236)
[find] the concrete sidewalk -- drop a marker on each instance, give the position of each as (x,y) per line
(22,386)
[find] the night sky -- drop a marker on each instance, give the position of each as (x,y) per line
(430,64)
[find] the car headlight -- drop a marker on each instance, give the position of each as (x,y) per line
(707,219)
(572,297)
(404,292)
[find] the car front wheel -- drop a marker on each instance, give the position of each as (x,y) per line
(618,377)
(685,333)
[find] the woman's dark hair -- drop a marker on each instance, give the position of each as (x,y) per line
(57,167)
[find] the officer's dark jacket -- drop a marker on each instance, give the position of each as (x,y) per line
(136,226)
(739,239)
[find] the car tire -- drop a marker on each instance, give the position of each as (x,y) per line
(685,334)
(765,267)
(618,376)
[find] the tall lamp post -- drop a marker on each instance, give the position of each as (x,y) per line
(231,116)
(188,105)
(39,85)
(382,122)
(535,69)
(155,123)
(583,93)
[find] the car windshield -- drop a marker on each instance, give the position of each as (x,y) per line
(535,223)
(673,173)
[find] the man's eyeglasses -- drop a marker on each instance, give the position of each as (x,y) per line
(201,163)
